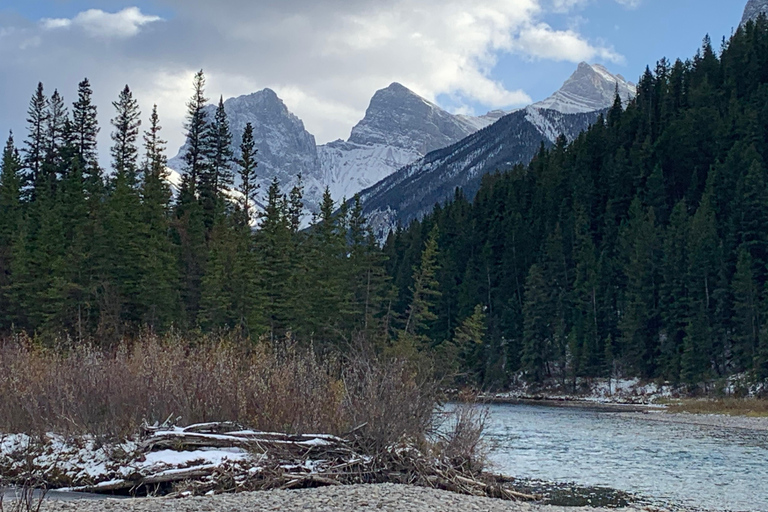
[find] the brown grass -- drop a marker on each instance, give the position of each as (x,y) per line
(754,407)
(79,389)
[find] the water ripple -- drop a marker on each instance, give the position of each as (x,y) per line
(697,466)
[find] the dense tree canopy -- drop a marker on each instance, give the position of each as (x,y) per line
(640,248)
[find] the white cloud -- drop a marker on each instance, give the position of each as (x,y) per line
(98,23)
(325,58)
(542,42)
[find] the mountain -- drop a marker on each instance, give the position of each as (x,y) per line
(754,9)
(515,138)
(413,191)
(286,148)
(399,127)
(590,88)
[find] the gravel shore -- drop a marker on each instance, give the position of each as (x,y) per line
(710,420)
(383,498)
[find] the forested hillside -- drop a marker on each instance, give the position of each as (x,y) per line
(100,255)
(640,249)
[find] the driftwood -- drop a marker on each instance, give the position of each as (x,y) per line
(283,461)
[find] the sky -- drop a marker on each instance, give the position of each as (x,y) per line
(326,58)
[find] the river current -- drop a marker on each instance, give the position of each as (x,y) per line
(695,466)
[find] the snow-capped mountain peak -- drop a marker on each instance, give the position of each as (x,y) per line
(589,88)
(400,118)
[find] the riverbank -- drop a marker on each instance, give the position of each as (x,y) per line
(707,420)
(382,498)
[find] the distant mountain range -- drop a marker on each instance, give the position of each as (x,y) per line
(399,127)
(413,190)
(405,141)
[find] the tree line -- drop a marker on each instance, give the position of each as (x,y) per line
(640,249)
(101,255)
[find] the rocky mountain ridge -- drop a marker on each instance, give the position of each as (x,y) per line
(754,9)
(399,128)
(514,139)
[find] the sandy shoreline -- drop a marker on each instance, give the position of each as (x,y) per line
(709,420)
(382,497)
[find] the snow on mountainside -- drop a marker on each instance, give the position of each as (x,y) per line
(413,190)
(286,149)
(754,9)
(590,88)
(399,127)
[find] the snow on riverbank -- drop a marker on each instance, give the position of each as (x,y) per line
(596,391)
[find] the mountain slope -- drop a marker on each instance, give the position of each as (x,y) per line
(754,9)
(286,148)
(399,127)
(413,190)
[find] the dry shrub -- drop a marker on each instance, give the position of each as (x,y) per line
(391,401)
(461,443)
(78,389)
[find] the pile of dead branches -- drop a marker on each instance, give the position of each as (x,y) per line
(282,461)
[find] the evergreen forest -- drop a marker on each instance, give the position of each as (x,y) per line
(639,249)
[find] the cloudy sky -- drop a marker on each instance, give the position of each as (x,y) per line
(326,58)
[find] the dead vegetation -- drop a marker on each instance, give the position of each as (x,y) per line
(281,461)
(81,389)
(377,417)
(751,407)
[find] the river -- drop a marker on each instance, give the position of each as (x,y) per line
(700,467)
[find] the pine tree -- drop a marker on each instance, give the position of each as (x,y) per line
(273,252)
(222,154)
(296,204)
(196,150)
(126,123)
(247,173)
(641,321)
(193,225)
(674,295)
(10,206)
(121,244)
(35,144)
(56,132)
(159,295)
(424,292)
(537,334)
(746,311)
(85,126)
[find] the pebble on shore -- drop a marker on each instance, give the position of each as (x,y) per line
(380,498)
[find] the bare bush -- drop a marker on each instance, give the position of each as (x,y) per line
(78,389)
(460,440)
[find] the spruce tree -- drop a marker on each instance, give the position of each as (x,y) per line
(273,252)
(35,144)
(10,225)
(56,132)
(196,151)
(247,174)
(424,292)
(126,123)
(85,127)
(537,333)
(159,294)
